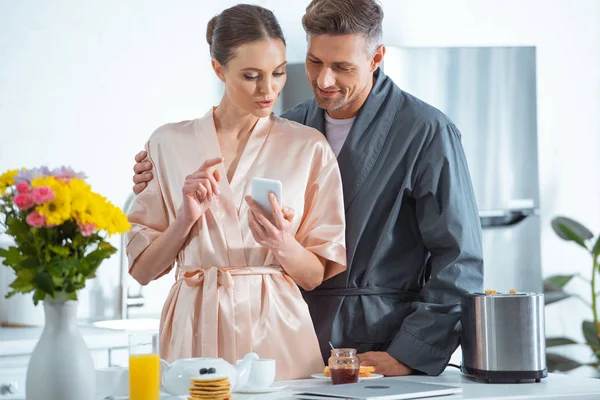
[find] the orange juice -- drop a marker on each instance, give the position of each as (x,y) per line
(144,377)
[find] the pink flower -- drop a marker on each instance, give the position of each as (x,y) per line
(35,219)
(66,174)
(42,194)
(87,229)
(24,201)
(23,187)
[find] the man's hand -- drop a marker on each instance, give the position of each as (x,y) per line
(384,363)
(142,174)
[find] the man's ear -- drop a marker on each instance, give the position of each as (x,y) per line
(377,57)
(218,68)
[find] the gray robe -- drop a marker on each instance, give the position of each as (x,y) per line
(413,234)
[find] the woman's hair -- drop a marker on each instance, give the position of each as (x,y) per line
(238,25)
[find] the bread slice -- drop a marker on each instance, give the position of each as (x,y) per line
(365,371)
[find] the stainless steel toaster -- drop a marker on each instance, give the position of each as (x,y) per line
(503,337)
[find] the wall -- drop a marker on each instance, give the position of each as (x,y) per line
(85,84)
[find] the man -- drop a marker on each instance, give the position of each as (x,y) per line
(413,235)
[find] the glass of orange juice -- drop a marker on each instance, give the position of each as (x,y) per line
(144,366)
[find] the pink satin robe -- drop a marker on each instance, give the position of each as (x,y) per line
(232,296)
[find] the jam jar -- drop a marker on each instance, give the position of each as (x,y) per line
(344,366)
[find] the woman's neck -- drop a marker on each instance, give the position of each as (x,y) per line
(231,120)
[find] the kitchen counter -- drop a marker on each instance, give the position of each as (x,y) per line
(553,387)
(22,340)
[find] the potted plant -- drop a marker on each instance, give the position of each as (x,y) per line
(60,229)
(554,291)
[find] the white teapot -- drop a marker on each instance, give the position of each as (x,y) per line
(176,377)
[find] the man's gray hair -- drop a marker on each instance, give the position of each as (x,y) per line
(342,17)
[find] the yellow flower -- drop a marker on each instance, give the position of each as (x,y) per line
(81,194)
(74,200)
(111,218)
(58,210)
(119,222)
(7,179)
(96,211)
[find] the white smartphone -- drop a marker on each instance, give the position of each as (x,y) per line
(260,193)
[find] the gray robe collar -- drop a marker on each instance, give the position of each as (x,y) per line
(367,135)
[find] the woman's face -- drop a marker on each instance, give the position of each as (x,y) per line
(255,76)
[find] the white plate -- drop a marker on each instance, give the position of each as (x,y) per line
(322,376)
(269,389)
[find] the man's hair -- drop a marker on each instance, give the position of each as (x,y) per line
(342,17)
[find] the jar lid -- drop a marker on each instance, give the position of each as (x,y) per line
(343,352)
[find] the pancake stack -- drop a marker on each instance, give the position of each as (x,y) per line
(210,389)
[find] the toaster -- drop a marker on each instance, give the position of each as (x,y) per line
(503,337)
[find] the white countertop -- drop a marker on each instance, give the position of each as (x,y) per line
(553,387)
(19,341)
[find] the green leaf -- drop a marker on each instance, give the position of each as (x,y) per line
(59,250)
(78,241)
(12,257)
(553,293)
(30,263)
(63,266)
(38,296)
(559,280)
(57,281)
(571,230)
(93,260)
(596,248)
(590,334)
(23,283)
(18,229)
(556,362)
(107,246)
(552,342)
(43,280)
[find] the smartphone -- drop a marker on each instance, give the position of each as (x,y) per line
(260,193)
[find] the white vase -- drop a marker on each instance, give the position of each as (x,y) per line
(61,366)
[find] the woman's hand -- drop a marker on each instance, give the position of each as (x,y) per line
(269,233)
(198,191)
(303,266)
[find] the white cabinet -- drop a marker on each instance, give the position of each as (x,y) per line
(118,357)
(12,383)
(108,348)
(13,369)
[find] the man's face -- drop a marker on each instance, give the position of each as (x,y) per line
(339,68)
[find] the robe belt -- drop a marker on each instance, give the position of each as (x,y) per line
(218,297)
(365,291)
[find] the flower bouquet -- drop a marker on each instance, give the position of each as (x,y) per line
(60,229)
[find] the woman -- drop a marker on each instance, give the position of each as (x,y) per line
(238,271)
